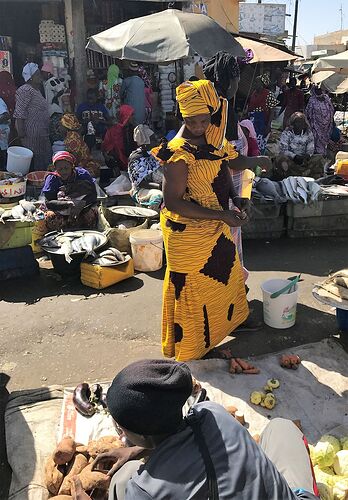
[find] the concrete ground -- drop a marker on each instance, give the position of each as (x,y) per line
(57,332)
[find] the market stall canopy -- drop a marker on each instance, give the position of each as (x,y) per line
(164,37)
(337,63)
(335,83)
(264,52)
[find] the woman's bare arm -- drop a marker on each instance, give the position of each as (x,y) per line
(174,189)
(244,162)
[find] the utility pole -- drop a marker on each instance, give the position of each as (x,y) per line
(294,33)
(341,11)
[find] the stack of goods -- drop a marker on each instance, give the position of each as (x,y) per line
(330,460)
(167,88)
(295,189)
(71,459)
(53,40)
(51,32)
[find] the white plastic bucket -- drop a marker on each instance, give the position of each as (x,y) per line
(18,160)
(279,313)
(147,250)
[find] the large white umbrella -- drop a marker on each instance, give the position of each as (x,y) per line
(264,52)
(337,63)
(335,83)
(163,37)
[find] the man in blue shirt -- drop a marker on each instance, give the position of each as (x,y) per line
(95,112)
(133,92)
(207,455)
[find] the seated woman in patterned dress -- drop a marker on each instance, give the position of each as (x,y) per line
(70,196)
(297,156)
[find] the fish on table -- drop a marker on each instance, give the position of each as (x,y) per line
(18,212)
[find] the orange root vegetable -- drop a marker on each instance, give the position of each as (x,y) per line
(285,361)
(294,360)
(54,475)
(93,479)
(62,497)
(252,371)
(80,448)
(78,463)
(103,445)
(234,367)
(64,451)
(243,364)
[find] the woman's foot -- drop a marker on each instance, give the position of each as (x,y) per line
(219,353)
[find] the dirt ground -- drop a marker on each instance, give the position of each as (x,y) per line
(58,332)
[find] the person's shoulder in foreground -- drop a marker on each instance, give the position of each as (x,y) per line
(176,469)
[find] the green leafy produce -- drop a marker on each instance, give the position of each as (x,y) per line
(340,489)
(344,443)
(323,454)
(341,463)
(326,476)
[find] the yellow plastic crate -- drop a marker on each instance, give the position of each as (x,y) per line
(101,277)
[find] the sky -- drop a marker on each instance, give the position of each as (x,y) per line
(316,17)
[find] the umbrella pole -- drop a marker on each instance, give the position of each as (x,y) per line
(250,87)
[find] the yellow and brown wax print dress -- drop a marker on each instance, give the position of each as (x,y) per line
(204,296)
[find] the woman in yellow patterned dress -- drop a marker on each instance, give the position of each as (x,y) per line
(204,293)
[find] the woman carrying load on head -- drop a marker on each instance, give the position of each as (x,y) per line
(70,196)
(204,291)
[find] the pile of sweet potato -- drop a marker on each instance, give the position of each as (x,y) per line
(70,459)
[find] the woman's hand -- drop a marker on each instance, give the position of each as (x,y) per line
(244,204)
(264,162)
(118,457)
(234,218)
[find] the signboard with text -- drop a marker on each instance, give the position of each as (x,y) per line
(266,19)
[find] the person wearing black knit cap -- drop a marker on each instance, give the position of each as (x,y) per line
(206,455)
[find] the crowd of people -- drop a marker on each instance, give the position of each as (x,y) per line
(195,179)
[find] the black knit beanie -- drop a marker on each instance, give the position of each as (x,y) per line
(147,396)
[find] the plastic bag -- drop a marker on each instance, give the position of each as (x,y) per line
(122,185)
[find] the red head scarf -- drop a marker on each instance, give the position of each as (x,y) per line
(64,155)
(8,90)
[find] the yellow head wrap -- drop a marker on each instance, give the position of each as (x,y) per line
(199,98)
